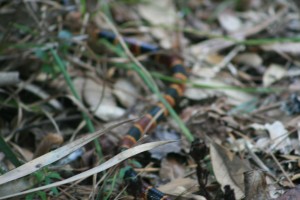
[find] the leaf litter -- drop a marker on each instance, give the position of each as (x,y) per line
(241,101)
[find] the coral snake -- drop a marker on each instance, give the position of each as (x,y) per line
(157,113)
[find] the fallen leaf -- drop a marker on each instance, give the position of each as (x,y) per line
(183,187)
(48,143)
(159,13)
(126,92)
(228,169)
(99,99)
(273,73)
(18,185)
(279,137)
(210,46)
(250,59)
(171,169)
(162,134)
(229,21)
(203,71)
(255,185)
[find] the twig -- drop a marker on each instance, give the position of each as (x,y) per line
(281,168)
(9,78)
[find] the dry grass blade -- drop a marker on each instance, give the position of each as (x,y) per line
(113,161)
(9,78)
(52,156)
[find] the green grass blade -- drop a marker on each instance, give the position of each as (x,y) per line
(216,87)
(9,153)
(88,121)
(147,78)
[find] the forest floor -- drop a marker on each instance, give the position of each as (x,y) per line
(234,134)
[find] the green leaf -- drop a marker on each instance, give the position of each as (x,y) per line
(54,175)
(29,196)
(42,194)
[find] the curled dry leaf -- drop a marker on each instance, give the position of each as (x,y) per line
(228,169)
(171,169)
(163,134)
(197,94)
(251,59)
(126,92)
(274,73)
(26,154)
(18,185)
(208,70)
(229,21)
(183,187)
(159,13)
(210,46)
(99,98)
(48,143)
(279,137)
(262,143)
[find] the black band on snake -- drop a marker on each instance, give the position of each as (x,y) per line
(157,112)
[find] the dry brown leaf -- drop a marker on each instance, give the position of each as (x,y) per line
(126,92)
(48,143)
(251,59)
(255,185)
(210,46)
(296,177)
(183,188)
(171,169)
(214,59)
(206,70)
(16,186)
(25,153)
(203,71)
(279,137)
(159,13)
(229,21)
(99,98)
(274,73)
(228,169)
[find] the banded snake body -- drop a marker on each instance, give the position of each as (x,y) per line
(157,113)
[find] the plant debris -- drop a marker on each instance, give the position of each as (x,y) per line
(68,97)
